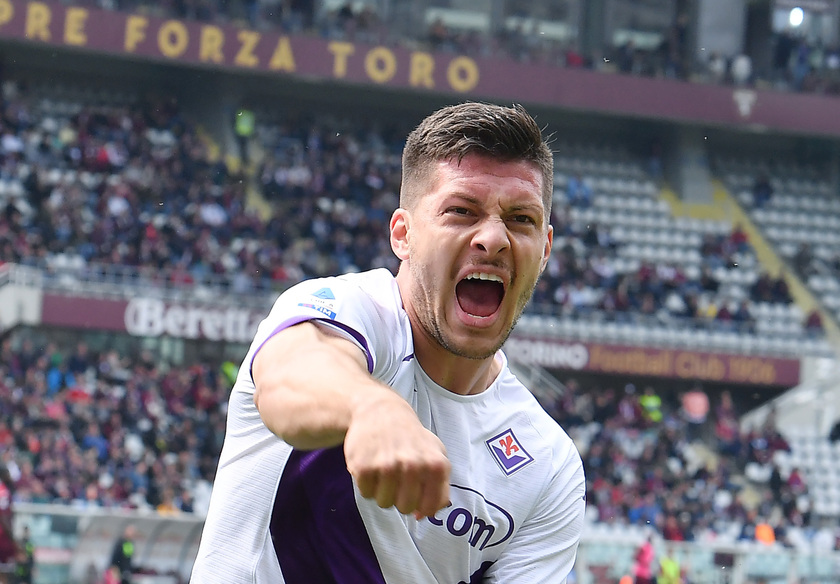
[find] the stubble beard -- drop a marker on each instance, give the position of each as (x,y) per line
(424,310)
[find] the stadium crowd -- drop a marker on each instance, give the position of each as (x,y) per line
(103,429)
(676,463)
(798,63)
(133,186)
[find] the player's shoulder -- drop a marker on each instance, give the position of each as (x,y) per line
(379,285)
(545,430)
(374,288)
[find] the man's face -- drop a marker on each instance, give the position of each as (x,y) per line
(473,245)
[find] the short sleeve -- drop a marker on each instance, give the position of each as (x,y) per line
(348,307)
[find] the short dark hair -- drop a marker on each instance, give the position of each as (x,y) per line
(502,132)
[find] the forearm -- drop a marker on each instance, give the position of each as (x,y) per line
(309,386)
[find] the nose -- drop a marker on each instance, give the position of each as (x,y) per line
(491,236)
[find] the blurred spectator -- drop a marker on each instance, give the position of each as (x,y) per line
(122,554)
(627,57)
(111,576)
(578,192)
(695,411)
(769,289)
(741,69)
(782,50)
(244,126)
(438,34)
(726,426)
(643,562)
(669,568)
(762,191)
(167,505)
(25,560)
(724,317)
(717,68)
(813,324)
(738,239)
(743,318)
(672,531)
(803,261)
(651,406)
(796,482)
(834,434)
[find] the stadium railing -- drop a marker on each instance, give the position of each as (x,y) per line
(73,544)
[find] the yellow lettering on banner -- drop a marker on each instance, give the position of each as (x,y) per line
(135,31)
(246,57)
(421,69)
(462,74)
(380,64)
(38,16)
(752,370)
(173,38)
(283,59)
(74,26)
(6,11)
(210,44)
(341,51)
(693,365)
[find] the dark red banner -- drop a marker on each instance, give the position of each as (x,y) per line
(307,57)
(654,362)
(152,317)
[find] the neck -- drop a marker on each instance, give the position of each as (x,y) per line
(457,374)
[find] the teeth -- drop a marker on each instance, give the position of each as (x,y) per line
(483,276)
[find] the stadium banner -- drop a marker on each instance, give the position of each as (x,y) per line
(306,57)
(653,362)
(152,317)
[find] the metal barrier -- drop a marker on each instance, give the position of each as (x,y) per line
(73,546)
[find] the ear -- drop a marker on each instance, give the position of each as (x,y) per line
(547,250)
(400,231)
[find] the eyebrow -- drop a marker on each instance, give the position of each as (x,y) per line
(528,207)
(513,208)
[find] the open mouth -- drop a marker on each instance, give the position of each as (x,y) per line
(480,294)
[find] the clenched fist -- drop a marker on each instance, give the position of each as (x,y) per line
(395,460)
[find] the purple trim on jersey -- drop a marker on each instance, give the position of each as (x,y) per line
(283,325)
(478,576)
(299,319)
(319,536)
(359,339)
(408,358)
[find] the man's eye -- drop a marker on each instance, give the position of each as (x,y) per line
(459,210)
(524,219)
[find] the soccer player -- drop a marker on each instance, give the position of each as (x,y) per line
(375,433)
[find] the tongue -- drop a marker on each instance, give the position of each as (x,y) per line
(479,297)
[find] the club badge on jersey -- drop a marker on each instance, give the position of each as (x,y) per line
(508,452)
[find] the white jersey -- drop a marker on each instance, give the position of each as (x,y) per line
(280,515)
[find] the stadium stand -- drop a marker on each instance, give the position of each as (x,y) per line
(798,62)
(795,207)
(628,269)
(109,190)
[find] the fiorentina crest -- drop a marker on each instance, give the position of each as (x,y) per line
(508,452)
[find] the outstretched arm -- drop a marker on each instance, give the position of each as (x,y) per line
(313,390)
